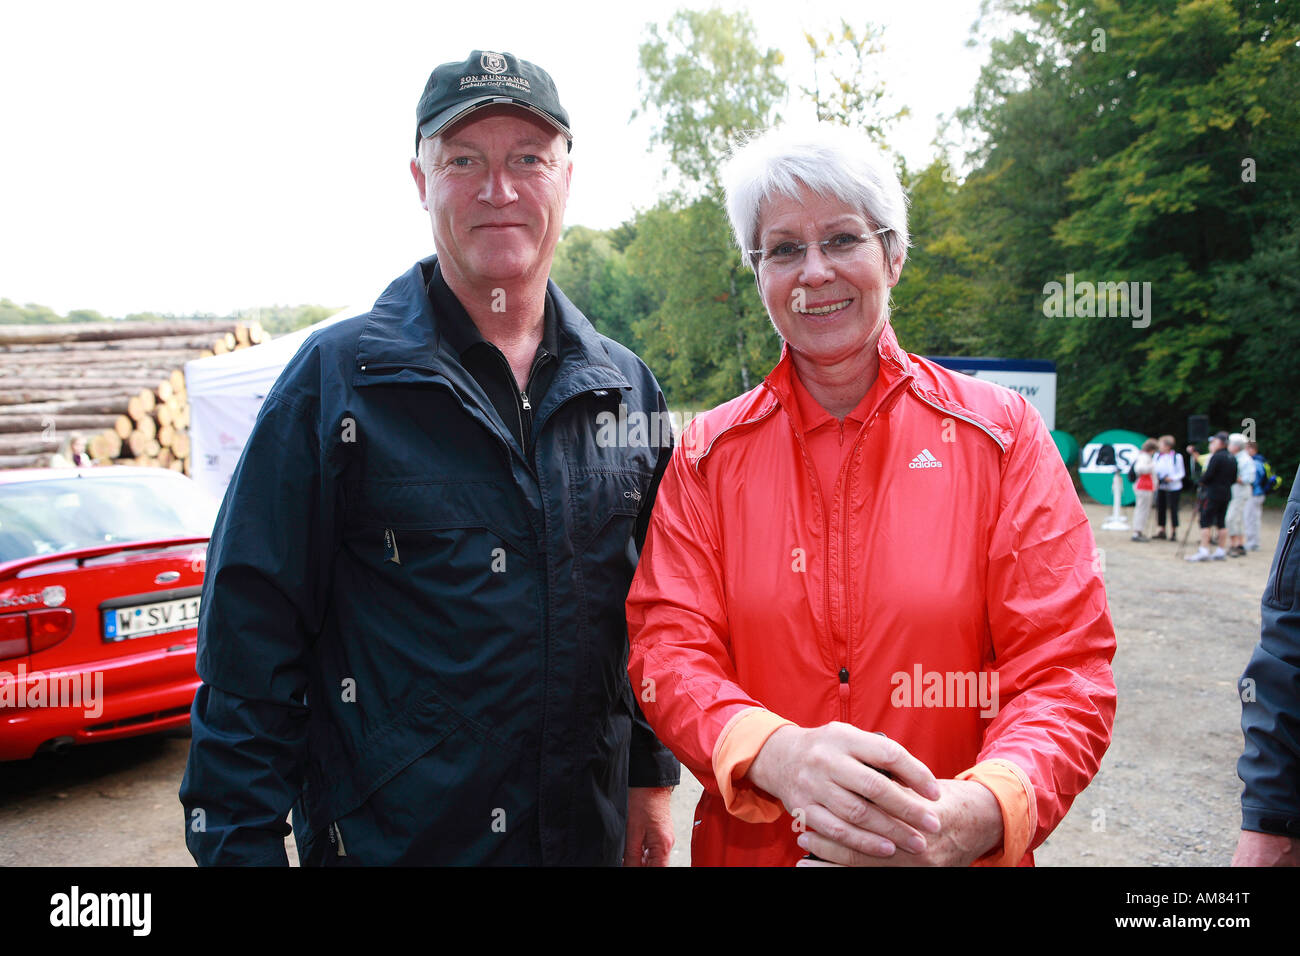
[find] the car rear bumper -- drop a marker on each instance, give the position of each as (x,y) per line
(103,700)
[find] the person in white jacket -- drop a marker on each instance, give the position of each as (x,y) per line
(1169,473)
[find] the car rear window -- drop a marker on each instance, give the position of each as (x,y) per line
(49,516)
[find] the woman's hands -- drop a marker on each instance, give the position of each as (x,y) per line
(970,826)
(830,778)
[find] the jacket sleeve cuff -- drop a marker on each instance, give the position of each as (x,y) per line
(1279,823)
(1015,796)
(650,763)
(654,768)
(738,744)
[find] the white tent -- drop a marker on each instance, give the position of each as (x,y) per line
(225,394)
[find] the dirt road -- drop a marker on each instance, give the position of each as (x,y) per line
(1167,793)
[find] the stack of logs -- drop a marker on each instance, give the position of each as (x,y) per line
(118,384)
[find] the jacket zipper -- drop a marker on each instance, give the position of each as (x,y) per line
(886,400)
(969,421)
(1281,561)
(522,403)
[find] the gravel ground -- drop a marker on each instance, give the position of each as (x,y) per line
(1167,793)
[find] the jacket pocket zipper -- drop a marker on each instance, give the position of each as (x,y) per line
(1281,561)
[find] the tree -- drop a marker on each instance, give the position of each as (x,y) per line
(594,274)
(709,326)
(1122,142)
(850,94)
(949,284)
(706,81)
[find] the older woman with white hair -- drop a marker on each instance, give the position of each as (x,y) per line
(869,615)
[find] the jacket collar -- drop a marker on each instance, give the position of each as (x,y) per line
(403,341)
(895,370)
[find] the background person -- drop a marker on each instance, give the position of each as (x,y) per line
(798,572)
(1241,494)
(73,454)
(1170,473)
(1213,490)
(1270,713)
(1144,488)
(1258,491)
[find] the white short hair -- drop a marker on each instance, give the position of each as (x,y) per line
(1238,439)
(832,161)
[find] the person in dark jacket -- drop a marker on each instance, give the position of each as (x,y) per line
(1270,713)
(1214,489)
(412,629)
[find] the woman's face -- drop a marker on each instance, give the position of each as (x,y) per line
(828,308)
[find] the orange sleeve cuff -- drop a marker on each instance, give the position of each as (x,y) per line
(1015,796)
(738,744)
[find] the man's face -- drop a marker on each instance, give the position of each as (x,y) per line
(495,186)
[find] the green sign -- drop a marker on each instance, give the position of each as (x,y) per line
(1067,445)
(1097,478)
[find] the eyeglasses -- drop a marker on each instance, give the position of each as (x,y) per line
(838,248)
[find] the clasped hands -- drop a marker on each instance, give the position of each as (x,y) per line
(830,778)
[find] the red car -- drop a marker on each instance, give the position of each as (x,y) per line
(100,574)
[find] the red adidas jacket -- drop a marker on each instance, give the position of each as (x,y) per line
(884,604)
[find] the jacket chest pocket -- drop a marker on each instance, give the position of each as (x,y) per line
(605,504)
(459,531)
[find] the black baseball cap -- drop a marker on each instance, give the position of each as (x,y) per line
(487,79)
(1221,436)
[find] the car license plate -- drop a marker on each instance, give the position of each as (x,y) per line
(141,620)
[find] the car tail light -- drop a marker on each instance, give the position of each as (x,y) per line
(13,636)
(49,626)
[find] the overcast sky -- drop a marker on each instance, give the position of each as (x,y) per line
(182,157)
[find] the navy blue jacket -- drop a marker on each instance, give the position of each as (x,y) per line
(412,631)
(1270,692)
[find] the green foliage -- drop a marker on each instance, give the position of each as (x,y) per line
(591,269)
(1116,144)
(276,319)
(844,89)
(1259,301)
(709,337)
(705,79)
(946,290)
(11,313)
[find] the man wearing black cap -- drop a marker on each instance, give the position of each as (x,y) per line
(412,627)
(1214,488)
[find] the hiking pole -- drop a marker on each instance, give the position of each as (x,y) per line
(1182,548)
(1191,523)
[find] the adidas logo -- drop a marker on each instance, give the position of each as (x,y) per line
(925,460)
